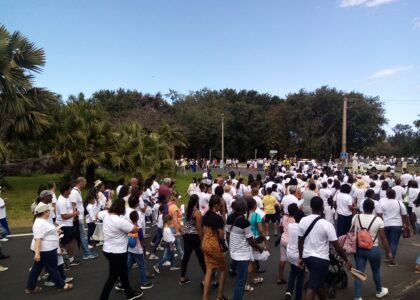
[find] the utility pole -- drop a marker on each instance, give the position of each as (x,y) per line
(343,155)
(223,139)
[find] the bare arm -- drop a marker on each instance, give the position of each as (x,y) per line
(37,256)
(341,253)
(384,242)
(70,215)
(198,223)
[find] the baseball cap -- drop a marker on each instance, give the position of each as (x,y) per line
(45,193)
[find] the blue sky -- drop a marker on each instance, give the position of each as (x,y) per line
(276,46)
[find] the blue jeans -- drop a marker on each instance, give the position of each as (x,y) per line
(49,261)
(361,257)
(139,259)
(178,246)
(83,239)
(393,234)
(5,225)
(296,275)
(156,239)
(168,255)
(241,276)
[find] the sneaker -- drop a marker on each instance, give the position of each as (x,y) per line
(382,293)
(66,267)
(49,283)
(99,244)
(152,244)
(176,255)
(90,247)
(74,263)
(167,264)
(156,268)
(136,295)
(4,240)
(360,298)
(146,286)
(288,296)
(119,287)
(153,257)
(267,238)
(68,279)
(184,281)
(392,264)
(174,268)
(91,256)
(147,253)
(2,269)
(159,248)
(45,276)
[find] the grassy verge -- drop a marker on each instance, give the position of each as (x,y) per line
(24,188)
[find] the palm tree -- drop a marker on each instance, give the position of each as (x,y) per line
(83,138)
(173,137)
(21,105)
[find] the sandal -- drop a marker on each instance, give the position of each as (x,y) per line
(35,290)
(67,287)
(281,281)
(249,288)
(258,280)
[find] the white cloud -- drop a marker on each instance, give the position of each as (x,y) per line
(416,23)
(366,3)
(388,72)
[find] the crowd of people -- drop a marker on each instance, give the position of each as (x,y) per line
(311,216)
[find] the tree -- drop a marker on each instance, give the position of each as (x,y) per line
(83,138)
(21,105)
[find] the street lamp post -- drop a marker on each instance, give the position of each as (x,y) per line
(223,139)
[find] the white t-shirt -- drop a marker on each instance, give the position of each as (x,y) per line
(324,194)
(203,202)
(287,200)
(47,232)
(259,202)
(343,202)
(168,236)
(229,200)
(329,213)
(376,203)
(2,209)
(54,201)
(392,211)
(102,200)
(365,220)
(412,195)
(76,197)
(160,221)
(399,192)
(64,206)
(359,196)
(115,230)
(405,178)
(91,210)
(292,245)
(317,242)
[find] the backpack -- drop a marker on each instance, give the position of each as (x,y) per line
(364,239)
(132,239)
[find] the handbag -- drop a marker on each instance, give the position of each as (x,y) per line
(405,229)
(348,242)
(406,199)
(98,234)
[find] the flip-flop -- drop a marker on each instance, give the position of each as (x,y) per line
(248,288)
(258,280)
(35,290)
(280,282)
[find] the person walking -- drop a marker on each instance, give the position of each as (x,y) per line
(394,214)
(375,226)
(192,235)
(115,230)
(213,232)
(45,244)
(344,204)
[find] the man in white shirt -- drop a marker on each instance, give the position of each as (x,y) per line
(405,178)
(289,199)
(77,202)
(399,190)
(315,235)
(203,199)
(228,199)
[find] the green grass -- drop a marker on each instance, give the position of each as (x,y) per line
(24,188)
(21,195)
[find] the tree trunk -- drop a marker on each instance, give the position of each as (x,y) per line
(90,174)
(75,171)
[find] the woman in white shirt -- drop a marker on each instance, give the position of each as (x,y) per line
(393,212)
(45,245)
(412,193)
(375,226)
(115,229)
(344,204)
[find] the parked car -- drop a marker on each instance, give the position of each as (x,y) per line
(377,166)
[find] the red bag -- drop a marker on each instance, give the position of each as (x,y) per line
(364,239)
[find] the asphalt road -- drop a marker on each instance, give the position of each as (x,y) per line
(89,277)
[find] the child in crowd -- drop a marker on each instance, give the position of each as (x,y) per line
(92,211)
(169,239)
(158,235)
(136,249)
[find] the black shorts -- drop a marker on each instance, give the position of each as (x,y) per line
(68,234)
(318,271)
(270,218)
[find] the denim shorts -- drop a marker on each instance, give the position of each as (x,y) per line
(318,271)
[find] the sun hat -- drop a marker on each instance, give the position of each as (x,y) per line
(45,193)
(98,182)
(41,207)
